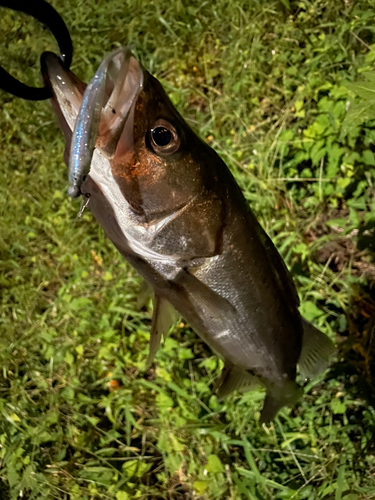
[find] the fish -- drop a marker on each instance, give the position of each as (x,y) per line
(174,211)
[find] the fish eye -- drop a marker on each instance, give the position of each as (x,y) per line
(161,136)
(164,137)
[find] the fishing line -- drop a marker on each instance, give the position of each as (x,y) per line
(47,15)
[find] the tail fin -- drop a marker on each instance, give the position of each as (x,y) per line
(278,397)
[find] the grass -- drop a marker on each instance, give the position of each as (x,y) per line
(267,84)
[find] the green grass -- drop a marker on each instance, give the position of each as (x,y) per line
(266,84)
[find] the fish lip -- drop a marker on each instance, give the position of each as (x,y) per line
(127,77)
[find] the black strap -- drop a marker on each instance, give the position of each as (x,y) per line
(47,15)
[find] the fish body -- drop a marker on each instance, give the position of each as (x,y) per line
(173,209)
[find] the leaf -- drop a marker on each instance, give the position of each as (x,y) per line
(107,276)
(368,157)
(201,486)
(173,462)
(298,105)
(293,436)
(317,152)
(130,467)
(180,392)
(337,222)
(122,495)
(162,373)
(163,401)
(337,406)
(92,420)
(268,482)
(176,444)
(339,109)
(357,114)
(69,358)
(45,436)
(185,353)
(354,217)
(310,311)
(370,75)
(335,153)
(340,482)
(343,183)
(209,363)
(68,394)
(236,87)
(12,476)
(79,350)
(214,464)
(339,92)
(325,104)
(362,89)
(29,477)
(80,303)
(98,469)
(163,441)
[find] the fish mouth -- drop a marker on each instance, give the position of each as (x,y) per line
(98,115)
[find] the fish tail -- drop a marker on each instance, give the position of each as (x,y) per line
(277,398)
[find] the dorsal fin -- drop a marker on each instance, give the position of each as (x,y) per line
(285,279)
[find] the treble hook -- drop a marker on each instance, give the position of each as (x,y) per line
(47,15)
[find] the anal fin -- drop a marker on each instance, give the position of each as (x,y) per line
(316,351)
(163,319)
(233,379)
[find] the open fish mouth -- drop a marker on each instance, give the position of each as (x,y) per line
(99,115)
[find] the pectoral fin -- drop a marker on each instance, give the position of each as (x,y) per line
(233,379)
(145,293)
(163,319)
(316,351)
(206,298)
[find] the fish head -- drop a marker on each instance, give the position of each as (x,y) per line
(160,173)
(123,131)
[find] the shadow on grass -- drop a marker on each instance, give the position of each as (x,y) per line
(4,491)
(355,369)
(356,365)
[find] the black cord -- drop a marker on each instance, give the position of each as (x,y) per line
(47,15)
